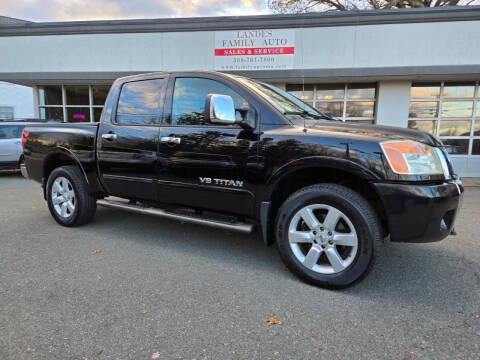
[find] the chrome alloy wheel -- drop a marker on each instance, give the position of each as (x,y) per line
(63,197)
(323,238)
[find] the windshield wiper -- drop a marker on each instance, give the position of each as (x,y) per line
(309,114)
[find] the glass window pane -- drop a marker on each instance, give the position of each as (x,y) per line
(458,90)
(139,102)
(360,109)
(10,132)
(476,147)
(99,94)
(6,113)
(478,109)
(455,127)
(423,109)
(457,109)
(97,112)
(189,101)
(330,108)
(429,126)
(78,114)
(425,91)
(50,95)
(361,91)
(456,146)
(77,95)
(51,113)
(328,92)
(303,93)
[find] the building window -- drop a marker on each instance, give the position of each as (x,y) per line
(348,102)
(6,113)
(449,110)
(72,103)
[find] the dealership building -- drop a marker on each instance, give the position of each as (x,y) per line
(417,68)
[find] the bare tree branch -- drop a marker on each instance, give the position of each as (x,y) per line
(301,6)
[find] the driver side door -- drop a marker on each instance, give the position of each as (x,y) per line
(204,165)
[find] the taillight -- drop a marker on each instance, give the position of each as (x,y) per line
(24,139)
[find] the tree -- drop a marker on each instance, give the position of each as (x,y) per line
(303,6)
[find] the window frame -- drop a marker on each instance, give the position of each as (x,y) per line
(345,100)
(12,108)
(168,105)
(64,106)
(160,108)
(475,99)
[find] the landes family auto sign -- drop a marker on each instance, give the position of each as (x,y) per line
(254,49)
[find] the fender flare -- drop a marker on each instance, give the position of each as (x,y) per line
(297,165)
(346,165)
(60,150)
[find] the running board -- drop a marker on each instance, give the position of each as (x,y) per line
(192,218)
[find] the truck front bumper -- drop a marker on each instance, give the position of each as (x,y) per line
(420,213)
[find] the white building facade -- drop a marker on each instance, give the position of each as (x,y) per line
(417,68)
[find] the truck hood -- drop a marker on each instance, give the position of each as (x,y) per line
(367,131)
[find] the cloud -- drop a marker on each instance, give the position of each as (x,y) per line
(71,10)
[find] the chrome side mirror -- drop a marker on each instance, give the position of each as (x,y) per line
(219,109)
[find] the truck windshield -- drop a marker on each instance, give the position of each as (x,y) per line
(283,101)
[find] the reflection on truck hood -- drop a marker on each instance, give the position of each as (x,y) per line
(378,132)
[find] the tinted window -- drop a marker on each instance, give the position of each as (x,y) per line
(139,102)
(10,132)
(189,101)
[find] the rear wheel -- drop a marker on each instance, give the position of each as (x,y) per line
(68,199)
(328,235)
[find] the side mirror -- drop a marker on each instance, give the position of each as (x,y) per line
(219,109)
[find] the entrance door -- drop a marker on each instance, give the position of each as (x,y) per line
(203,164)
(127,152)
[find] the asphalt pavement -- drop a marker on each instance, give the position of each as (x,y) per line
(162,289)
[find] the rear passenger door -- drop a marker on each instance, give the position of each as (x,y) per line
(127,145)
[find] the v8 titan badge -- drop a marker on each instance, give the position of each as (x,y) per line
(225,182)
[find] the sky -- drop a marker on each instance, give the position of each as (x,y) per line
(73,10)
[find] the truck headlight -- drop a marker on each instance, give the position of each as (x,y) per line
(413,158)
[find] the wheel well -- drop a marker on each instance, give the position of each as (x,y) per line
(309,176)
(55,161)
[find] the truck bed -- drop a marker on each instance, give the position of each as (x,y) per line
(50,143)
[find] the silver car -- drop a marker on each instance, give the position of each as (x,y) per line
(11,156)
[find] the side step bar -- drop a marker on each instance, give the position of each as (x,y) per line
(192,218)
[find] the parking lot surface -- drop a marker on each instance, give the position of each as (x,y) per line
(162,289)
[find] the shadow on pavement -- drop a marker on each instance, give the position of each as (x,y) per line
(408,273)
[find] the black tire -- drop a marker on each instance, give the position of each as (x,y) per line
(21,161)
(85,203)
(359,212)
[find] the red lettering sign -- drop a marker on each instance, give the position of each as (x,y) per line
(285,50)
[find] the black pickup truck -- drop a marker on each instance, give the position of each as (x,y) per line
(238,154)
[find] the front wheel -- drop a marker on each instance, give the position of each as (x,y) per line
(328,235)
(68,199)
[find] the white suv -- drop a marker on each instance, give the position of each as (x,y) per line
(11,156)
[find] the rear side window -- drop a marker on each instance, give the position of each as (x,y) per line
(189,102)
(10,131)
(139,102)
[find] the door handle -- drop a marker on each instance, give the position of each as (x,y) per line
(171,139)
(109,136)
